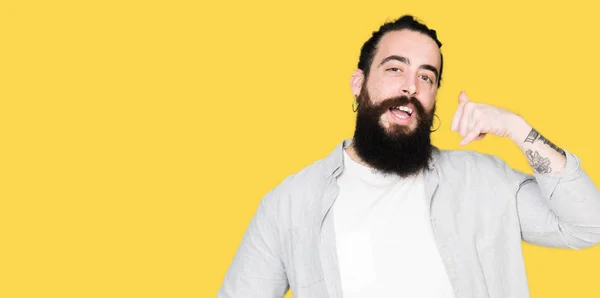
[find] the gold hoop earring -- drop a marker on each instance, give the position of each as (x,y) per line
(354,109)
(439,123)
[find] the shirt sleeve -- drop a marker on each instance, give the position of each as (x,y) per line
(257,270)
(560,209)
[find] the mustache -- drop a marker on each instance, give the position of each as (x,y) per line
(386,104)
(397,101)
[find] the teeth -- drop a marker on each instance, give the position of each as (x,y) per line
(405,109)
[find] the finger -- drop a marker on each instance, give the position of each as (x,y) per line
(480,136)
(461,105)
(471,135)
(466,121)
(462,100)
(462,97)
(457,115)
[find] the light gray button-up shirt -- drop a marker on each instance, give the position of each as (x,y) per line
(480,211)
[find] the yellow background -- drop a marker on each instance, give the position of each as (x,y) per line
(138,137)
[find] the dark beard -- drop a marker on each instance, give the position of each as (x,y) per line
(398,151)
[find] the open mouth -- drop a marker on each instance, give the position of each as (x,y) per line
(402,112)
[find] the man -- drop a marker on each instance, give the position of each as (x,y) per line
(387,214)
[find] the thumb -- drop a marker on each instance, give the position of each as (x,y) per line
(462,97)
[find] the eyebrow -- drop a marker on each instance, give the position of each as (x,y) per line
(407,61)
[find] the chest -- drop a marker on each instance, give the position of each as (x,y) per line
(456,217)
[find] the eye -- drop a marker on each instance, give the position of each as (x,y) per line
(394,69)
(426,78)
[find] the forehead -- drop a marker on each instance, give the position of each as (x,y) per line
(417,47)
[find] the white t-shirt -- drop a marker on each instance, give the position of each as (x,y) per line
(385,244)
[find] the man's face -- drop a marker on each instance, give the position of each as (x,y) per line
(406,64)
(396,104)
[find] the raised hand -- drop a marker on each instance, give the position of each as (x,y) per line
(473,121)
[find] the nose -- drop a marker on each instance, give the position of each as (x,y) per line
(409,87)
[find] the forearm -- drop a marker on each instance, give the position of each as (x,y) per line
(563,202)
(543,156)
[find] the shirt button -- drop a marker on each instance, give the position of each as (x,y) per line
(449,260)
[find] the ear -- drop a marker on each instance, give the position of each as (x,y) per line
(356,81)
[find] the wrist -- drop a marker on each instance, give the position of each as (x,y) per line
(520,130)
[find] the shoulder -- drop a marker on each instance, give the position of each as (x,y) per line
(469,158)
(308,180)
(304,188)
(472,162)
(478,165)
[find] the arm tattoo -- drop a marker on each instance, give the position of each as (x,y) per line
(534,136)
(538,163)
